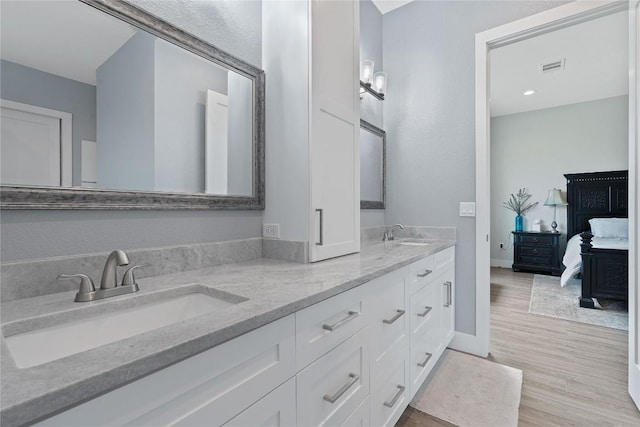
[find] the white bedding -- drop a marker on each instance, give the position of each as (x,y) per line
(572,259)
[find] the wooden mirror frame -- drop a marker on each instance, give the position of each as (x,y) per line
(22,197)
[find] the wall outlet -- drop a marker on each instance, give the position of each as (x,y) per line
(271,231)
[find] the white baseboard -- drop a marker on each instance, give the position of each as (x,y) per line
(503,263)
(468,343)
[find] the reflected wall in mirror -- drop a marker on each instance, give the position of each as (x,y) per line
(105,106)
(373,141)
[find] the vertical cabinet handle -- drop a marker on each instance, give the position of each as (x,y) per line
(332,399)
(393,401)
(425,361)
(425,312)
(352,315)
(398,315)
(321,242)
(425,274)
(448,285)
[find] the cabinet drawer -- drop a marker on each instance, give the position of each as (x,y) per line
(536,251)
(534,260)
(389,400)
(444,260)
(537,240)
(323,326)
(214,386)
(332,387)
(425,349)
(360,417)
(425,310)
(277,409)
(420,273)
(389,321)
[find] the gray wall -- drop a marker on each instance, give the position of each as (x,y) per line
(34,87)
(37,234)
(371,109)
(429,118)
(585,137)
(125,144)
(181,83)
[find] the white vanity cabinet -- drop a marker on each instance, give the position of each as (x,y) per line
(355,359)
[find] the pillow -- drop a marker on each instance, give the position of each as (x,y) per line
(610,227)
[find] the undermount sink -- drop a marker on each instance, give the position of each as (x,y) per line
(47,344)
(414,242)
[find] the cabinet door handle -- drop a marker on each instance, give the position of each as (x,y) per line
(425,312)
(398,315)
(393,401)
(425,361)
(425,274)
(332,399)
(352,315)
(321,242)
(535,239)
(448,285)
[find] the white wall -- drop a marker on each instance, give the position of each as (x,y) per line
(428,49)
(535,149)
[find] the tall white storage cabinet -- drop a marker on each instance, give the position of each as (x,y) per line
(334,129)
(311,61)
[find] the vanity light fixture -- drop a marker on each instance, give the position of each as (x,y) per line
(529,92)
(374,84)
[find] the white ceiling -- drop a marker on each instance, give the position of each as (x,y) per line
(66,38)
(596,67)
(385,6)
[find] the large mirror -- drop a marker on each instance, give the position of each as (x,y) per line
(373,142)
(106,106)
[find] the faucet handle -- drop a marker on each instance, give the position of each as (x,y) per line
(86,284)
(129,278)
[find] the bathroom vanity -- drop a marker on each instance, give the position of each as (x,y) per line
(341,342)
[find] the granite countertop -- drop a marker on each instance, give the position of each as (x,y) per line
(264,290)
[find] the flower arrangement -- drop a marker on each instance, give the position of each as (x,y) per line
(519,203)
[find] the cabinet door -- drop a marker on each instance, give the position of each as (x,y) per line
(334,154)
(276,409)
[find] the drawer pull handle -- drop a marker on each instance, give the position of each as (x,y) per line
(393,401)
(425,274)
(424,363)
(332,399)
(426,311)
(399,314)
(352,315)
(535,239)
(535,251)
(448,285)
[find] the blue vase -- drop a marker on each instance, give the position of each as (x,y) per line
(519,223)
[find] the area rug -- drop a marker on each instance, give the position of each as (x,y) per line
(467,390)
(549,299)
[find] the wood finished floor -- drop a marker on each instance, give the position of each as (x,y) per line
(565,383)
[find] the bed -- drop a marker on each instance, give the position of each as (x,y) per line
(601,260)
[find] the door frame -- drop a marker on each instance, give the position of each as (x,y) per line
(531,26)
(66,139)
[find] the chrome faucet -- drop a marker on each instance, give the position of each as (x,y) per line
(115,259)
(388,235)
(109,283)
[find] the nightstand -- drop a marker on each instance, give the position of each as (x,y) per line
(536,252)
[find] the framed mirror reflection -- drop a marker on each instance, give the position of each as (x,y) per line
(373,142)
(105,106)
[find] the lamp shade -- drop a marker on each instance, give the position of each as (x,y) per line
(366,71)
(380,82)
(555,198)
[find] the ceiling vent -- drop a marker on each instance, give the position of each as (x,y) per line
(551,67)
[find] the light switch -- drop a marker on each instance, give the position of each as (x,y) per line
(467,208)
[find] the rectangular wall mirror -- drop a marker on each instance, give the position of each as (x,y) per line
(373,142)
(105,106)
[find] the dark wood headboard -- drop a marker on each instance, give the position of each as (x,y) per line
(595,195)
